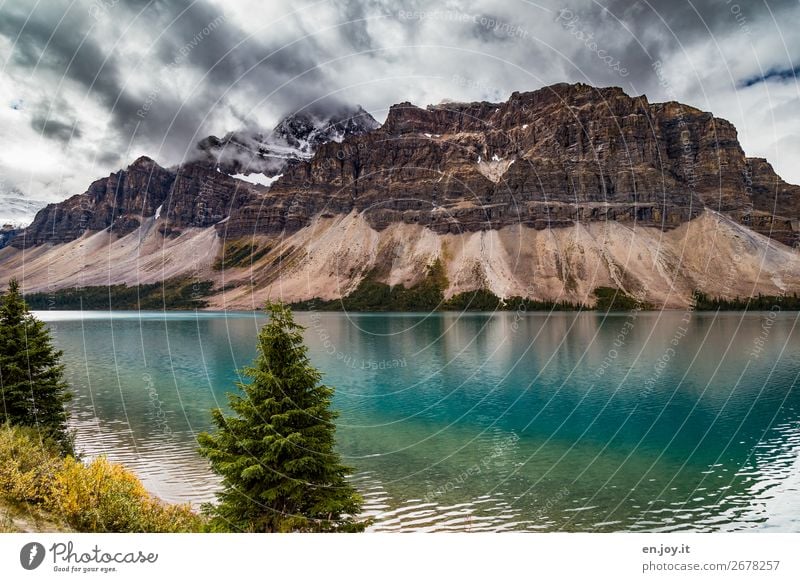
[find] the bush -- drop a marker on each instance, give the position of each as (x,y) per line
(704,302)
(27,464)
(168,518)
(97,497)
(106,497)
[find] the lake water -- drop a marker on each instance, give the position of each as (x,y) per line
(544,422)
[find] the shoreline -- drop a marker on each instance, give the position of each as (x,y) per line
(373,297)
(259,312)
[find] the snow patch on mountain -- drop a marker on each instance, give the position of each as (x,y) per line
(257,178)
(495,168)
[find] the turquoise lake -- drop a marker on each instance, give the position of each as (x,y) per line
(667,421)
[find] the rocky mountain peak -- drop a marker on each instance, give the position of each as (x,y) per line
(306,131)
(142,163)
(296,137)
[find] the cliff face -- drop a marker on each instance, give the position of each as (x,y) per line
(119,197)
(562,155)
(191,196)
(556,177)
(553,157)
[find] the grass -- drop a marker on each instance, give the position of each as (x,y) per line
(21,518)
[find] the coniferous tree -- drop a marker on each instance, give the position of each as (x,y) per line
(32,384)
(276,453)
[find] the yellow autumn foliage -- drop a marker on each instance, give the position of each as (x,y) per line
(27,463)
(99,496)
(105,497)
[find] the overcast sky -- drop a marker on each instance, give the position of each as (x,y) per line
(87,86)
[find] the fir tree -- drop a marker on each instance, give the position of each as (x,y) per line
(32,384)
(276,454)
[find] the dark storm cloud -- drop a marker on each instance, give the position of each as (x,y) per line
(194,36)
(644,32)
(283,69)
(228,59)
(687,20)
(354,16)
(59,42)
(228,55)
(55,129)
(774,74)
(491,28)
(109,159)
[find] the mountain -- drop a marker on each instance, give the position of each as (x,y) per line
(547,196)
(193,196)
(198,193)
(553,157)
(296,137)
